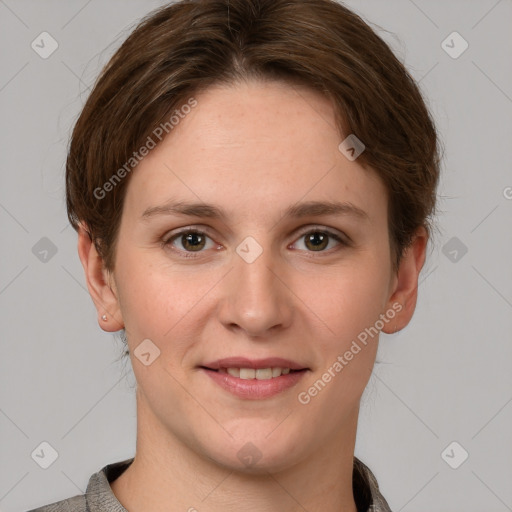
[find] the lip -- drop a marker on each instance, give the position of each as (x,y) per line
(254,389)
(243,362)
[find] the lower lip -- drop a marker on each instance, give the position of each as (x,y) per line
(253,388)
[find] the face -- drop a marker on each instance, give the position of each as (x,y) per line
(259,273)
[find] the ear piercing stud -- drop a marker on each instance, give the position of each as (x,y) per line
(104,318)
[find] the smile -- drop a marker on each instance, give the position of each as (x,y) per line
(259,373)
(244,383)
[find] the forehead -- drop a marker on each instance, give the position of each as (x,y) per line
(251,145)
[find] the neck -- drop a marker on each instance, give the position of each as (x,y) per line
(168,475)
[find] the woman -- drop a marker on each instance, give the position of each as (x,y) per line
(251,182)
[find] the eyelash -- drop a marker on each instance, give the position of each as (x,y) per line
(167,242)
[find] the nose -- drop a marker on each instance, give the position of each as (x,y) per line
(255,296)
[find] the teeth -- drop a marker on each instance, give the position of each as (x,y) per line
(276,372)
(235,372)
(247,373)
(264,373)
(260,373)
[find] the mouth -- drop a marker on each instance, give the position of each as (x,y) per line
(261,369)
(254,379)
(255,373)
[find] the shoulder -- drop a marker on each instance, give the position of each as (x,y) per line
(74,504)
(98,497)
(366,489)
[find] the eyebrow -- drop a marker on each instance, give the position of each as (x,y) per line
(299,210)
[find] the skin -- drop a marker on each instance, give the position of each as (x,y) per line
(252,149)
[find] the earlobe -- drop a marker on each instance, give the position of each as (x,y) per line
(98,280)
(405,291)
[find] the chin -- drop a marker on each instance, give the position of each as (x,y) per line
(260,452)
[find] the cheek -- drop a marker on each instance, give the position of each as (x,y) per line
(350,299)
(349,309)
(159,302)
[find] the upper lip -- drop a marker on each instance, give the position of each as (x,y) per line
(243,362)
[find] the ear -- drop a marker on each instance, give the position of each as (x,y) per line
(405,290)
(100,283)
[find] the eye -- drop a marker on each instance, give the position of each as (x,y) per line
(190,240)
(317,240)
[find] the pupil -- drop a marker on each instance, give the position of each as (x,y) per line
(190,238)
(318,240)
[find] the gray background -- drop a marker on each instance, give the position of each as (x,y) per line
(444,378)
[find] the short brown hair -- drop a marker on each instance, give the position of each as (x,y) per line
(182,48)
